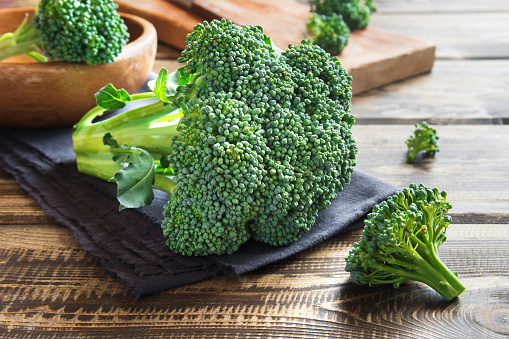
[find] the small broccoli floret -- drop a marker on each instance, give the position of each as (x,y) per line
(424,139)
(88,31)
(355,13)
(400,242)
(249,141)
(329,32)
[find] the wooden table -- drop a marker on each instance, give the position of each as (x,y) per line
(50,287)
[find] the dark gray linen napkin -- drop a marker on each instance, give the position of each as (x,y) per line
(130,243)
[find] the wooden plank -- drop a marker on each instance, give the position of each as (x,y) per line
(375,58)
(456,35)
(17,3)
(459,91)
(456,92)
(172,22)
(51,287)
(442,6)
(472,164)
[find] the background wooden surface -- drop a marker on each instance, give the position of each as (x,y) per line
(50,287)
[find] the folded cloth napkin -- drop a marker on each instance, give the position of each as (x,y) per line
(130,243)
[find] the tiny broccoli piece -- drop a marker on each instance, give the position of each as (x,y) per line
(400,242)
(88,31)
(250,141)
(329,32)
(355,13)
(424,139)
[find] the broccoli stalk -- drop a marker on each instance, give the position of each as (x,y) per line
(24,40)
(101,150)
(400,242)
(88,31)
(424,139)
(249,141)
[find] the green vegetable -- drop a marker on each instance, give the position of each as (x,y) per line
(88,31)
(400,242)
(250,141)
(355,13)
(424,139)
(329,32)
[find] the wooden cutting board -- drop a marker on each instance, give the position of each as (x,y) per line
(374,57)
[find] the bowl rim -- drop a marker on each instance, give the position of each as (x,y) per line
(148,30)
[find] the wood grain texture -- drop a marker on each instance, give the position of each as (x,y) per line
(172,22)
(457,35)
(49,284)
(472,164)
(51,288)
(455,92)
(439,6)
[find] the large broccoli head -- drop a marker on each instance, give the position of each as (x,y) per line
(266,145)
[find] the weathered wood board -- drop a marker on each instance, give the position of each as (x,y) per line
(373,57)
(172,22)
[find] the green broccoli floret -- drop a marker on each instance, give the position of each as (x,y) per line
(400,242)
(424,139)
(88,31)
(250,141)
(329,32)
(355,13)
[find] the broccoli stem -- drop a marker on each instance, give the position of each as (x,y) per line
(149,127)
(435,274)
(24,40)
(430,270)
(412,154)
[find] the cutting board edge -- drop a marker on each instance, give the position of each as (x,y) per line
(389,71)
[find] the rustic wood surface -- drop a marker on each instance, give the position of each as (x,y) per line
(51,288)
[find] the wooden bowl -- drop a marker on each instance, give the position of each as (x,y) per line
(55,94)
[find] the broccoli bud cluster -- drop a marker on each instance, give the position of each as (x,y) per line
(328,31)
(355,13)
(89,31)
(76,31)
(424,139)
(265,144)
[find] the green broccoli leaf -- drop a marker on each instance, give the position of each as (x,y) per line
(109,141)
(184,78)
(165,85)
(136,179)
(111,98)
(160,85)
